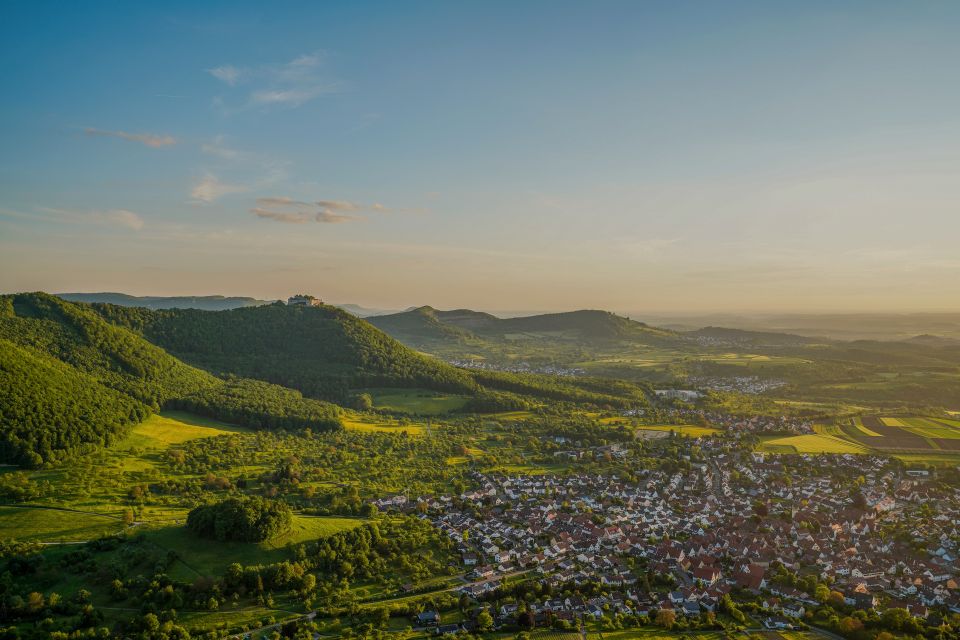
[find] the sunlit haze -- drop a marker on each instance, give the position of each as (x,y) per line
(632,156)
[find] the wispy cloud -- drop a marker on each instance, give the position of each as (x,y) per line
(290,210)
(339,205)
(149,139)
(210,188)
(290,84)
(300,217)
(282,201)
(290,217)
(226,73)
(218,148)
(108,217)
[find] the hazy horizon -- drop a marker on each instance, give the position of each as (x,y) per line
(644,158)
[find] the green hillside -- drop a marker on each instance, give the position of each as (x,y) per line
(322,351)
(116,357)
(422,325)
(71,382)
(50,411)
(429,327)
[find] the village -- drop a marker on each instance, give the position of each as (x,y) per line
(783,535)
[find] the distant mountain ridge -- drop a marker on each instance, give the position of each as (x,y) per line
(207,303)
(425,325)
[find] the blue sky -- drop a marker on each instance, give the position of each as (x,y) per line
(636,156)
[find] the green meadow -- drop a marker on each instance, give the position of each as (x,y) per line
(416,401)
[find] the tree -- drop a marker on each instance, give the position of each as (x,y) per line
(484,621)
(849,625)
(666,618)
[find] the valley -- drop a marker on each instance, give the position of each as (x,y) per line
(636,489)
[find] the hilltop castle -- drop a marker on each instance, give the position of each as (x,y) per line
(304,300)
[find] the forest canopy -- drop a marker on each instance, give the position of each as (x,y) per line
(250,519)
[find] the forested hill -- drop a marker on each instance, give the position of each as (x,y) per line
(426,327)
(420,325)
(71,382)
(50,411)
(117,357)
(207,303)
(322,351)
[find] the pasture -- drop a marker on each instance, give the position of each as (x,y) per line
(371,424)
(200,557)
(687,430)
(174,427)
(39,524)
(416,401)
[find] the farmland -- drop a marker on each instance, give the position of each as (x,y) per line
(813,443)
(904,434)
(688,430)
(916,439)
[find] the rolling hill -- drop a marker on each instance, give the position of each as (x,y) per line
(208,303)
(429,328)
(322,351)
(71,382)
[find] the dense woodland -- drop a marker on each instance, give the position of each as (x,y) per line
(51,411)
(323,352)
(250,519)
(261,405)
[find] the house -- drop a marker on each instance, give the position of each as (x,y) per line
(706,575)
(427,619)
(777,622)
(751,577)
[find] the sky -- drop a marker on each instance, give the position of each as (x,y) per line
(635,156)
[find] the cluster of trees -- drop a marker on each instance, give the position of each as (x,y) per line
(261,405)
(330,466)
(248,519)
(594,391)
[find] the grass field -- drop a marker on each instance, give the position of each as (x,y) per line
(691,430)
(174,427)
(934,458)
(54,525)
(369,424)
(650,633)
(812,443)
(199,556)
(416,401)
